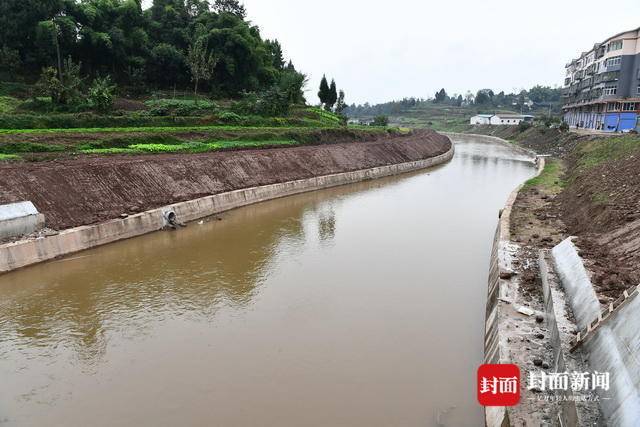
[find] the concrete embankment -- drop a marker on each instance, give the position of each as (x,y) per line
(190,187)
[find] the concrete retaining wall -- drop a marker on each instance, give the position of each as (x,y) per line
(19,219)
(23,253)
(615,346)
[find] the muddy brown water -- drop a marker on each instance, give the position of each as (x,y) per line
(355,306)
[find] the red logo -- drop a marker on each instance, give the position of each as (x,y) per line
(499,385)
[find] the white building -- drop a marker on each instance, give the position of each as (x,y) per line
(510,119)
(481,119)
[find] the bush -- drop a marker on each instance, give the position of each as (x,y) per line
(523,126)
(382,121)
(270,103)
(230,118)
(101,94)
(181,108)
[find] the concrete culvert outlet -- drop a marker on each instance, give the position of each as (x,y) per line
(170,217)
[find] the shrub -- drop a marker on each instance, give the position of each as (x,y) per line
(270,103)
(230,118)
(382,121)
(101,94)
(523,126)
(182,108)
(564,127)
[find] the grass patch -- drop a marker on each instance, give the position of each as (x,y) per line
(108,151)
(183,147)
(4,157)
(593,153)
(550,179)
(159,129)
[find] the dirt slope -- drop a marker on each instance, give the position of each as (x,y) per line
(92,189)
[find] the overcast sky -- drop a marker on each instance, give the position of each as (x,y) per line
(378,51)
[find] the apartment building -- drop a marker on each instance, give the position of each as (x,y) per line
(602,86)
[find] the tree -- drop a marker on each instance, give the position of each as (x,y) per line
(333,96)
(292,85)
(340,106)
(324,93)
(459,101)
(276,53)
(484,96)
(201,63)
(441,96)
(10,62)
(165,65)
(65,90)
(230,6)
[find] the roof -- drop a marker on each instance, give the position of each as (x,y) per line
(486,116)
(517,116)
(17,210)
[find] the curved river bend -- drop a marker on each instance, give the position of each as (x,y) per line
(361,305)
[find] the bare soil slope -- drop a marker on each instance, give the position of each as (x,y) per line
(87,190)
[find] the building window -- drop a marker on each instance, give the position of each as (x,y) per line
(616,60)
(616,45)
(612,106)
(610,90)
(629,106)
(638,90)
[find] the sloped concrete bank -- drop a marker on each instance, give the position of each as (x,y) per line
(433,150)
(613,345)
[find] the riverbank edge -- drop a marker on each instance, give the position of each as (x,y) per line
(24,253)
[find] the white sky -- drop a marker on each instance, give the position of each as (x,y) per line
(378,51)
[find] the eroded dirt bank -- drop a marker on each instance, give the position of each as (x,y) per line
(88,190)
(592,191)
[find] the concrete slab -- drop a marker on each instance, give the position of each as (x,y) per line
(19,219)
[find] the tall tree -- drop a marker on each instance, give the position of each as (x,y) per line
(333,95)
(324,93)
(441,95)
(201,62)
(341,105)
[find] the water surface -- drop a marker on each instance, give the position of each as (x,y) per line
(361,305)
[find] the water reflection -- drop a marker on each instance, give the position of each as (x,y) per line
(338,297)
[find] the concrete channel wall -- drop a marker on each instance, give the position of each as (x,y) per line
(615,345)
(27,252)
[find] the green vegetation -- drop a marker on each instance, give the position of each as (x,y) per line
(140,49)
(8,104)
(4,157)
(551,177)
(594,152)
(29,147)
(452,113)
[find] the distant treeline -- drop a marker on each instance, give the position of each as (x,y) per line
(153,48)
(536,97)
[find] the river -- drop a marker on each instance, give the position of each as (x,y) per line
(361,305)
